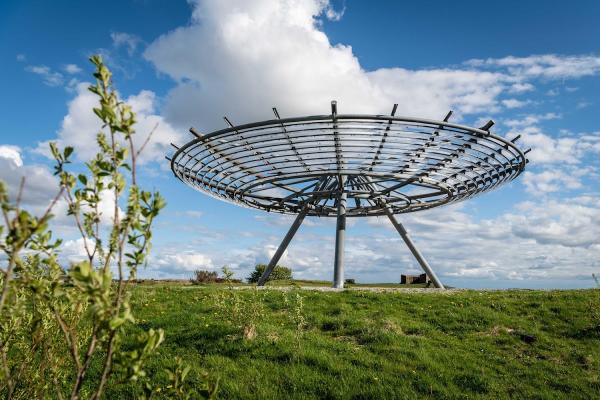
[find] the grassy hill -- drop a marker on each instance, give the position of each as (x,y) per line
(303,344)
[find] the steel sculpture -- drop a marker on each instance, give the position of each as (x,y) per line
(339,165)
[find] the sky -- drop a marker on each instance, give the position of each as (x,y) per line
(533,67)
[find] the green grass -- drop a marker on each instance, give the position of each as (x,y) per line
(365,345)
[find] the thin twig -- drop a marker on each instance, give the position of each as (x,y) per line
(7,278)
(147,140)
(20,194)
(9,382)
(70,202)
(52,204)
(86,364)
(107,366)
(72,344)
(133,159)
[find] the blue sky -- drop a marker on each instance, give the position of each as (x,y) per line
(533,67)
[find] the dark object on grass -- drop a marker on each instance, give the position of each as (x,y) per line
(350,281)
(525,337)
(280,273)
(410,279)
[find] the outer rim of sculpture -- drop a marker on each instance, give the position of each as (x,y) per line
(255,147)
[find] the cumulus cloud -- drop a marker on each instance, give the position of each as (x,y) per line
(550,66)
(80,126)
(244,57)
(50,77)
(537,240)
(72,69)
(552,181)
(568,148)
(540,241)
(73,251)
(127,40)
(39,190)
(573,223)
(181,263)
(40,185)
(514,103)
(520,87)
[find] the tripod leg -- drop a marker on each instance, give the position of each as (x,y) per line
(424,264)
(284,244)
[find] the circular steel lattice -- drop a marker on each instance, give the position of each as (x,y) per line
(407,164)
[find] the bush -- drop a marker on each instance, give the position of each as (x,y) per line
(350,281)
(279,273)
(62,329)
(202,276)
(56,322)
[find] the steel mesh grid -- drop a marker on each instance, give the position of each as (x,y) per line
(410,164)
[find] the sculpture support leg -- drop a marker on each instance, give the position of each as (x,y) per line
(340,235)
(284,244)
(424,264)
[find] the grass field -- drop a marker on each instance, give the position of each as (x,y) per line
(303,344)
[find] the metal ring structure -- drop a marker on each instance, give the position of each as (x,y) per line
(406,164)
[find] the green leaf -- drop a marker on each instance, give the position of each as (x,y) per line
(68,151)
(54,151)
(116,322)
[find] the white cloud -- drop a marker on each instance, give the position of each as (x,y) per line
(40,188)
(536,241)
(546,149)
(12,155)
(550,66)
(520,87)
(72,69)
(332,14)
(552,181)
(21,57)
(73,251)
(40,185)
(568,148)
(180,263)
(242,58)
(50,77)
(530,120)
(245,57)
(573,222)
(583,104)
(127,40)
(80,126)
(192,213)
(515,103)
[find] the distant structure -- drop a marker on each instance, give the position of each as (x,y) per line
(410,279)
(345,165)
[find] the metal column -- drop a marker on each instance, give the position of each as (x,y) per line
(400,228)
(340,234)
(284,244)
